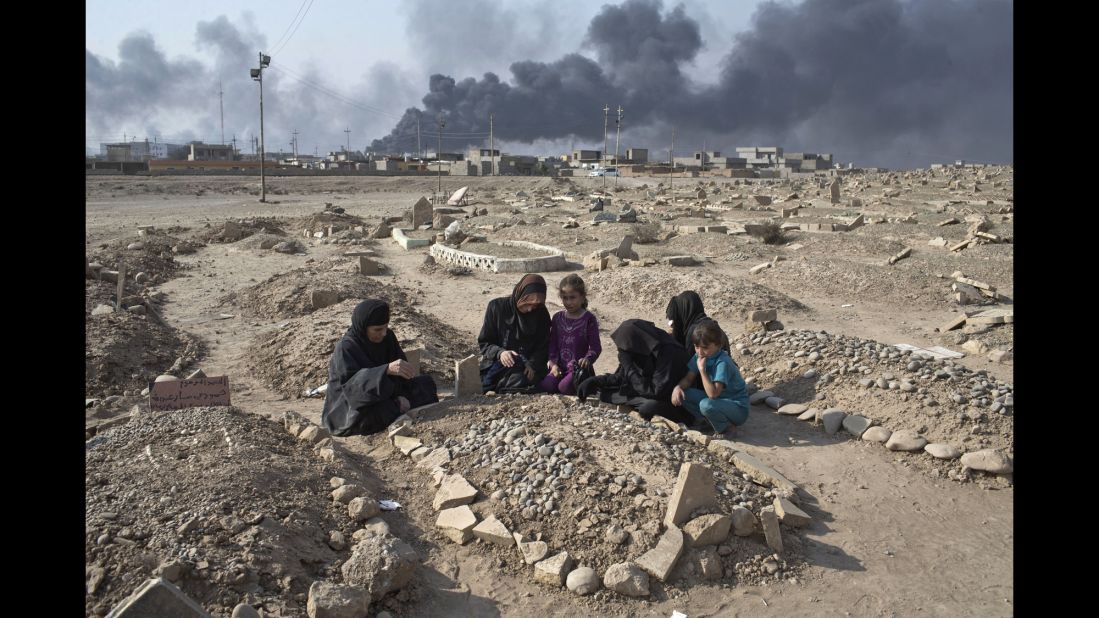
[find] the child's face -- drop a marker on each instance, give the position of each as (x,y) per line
(707,350)
(572,300)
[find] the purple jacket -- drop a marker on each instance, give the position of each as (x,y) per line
(571,340)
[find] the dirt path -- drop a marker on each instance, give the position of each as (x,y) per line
(888,540)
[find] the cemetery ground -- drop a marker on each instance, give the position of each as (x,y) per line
(250,506)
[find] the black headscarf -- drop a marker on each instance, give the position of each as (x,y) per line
(638,337)
(373,312)
(684,310)
(529,323)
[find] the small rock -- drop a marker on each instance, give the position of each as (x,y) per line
(345,493)
(553,570)
(628,579)
(707,530)
(582,581)
(905,440)
(942,451)
(744,522)
(876,434)
(329,600)
(988,460)
(856,425)
(380,565)
(793,409)
(243,610)
(362,508)
(833,420)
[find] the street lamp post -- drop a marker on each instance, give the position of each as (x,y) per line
(438,155)
(257,75)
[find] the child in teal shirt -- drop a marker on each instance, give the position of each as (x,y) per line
(723,400)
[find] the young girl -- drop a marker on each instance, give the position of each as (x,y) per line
(574,339)
(723,400)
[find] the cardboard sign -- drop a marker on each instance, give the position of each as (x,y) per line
(177,394)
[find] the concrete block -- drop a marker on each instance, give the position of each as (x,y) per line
(660,560)
(160,598)
(763,315)
(694,488)
(554,569)
(790,514)
(323,298)
(467,376)
(771,532)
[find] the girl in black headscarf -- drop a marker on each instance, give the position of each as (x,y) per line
(650,364)
(684,313)
(514,338)
(370,381)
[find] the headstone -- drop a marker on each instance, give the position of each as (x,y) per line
(834,191)
(323,298)
(421,213)
(467,376)
(694,488)
(413,355)
(625,248)
(368,266)
(771,531)
(660,560)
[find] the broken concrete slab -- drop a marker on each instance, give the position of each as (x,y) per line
(438,457)
(554,569)
(694,488)
(764,474)
(771,531)
(763,315)
(710,529)
(660,560)
(790,514)
(680,260)
(407,444)
(158,597)
(492,530)
(368,266)
(457,523)
(957,322)
(454,491)
(331,600)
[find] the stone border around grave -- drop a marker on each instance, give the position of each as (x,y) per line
(460,524)
(554,261)
(832,420)
(408,243)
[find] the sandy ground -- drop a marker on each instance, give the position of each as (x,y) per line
(887,539)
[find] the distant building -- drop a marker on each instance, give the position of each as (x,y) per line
(585,157)
(637,155)
(134,151)
(210,152)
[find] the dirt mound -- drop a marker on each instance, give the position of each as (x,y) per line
(295,358)
(949,403)
(726,299)
(588,480)
(238,229)
(226,504)
(318,221)
(152,254)
(289,294)
(125,351)
(263,242)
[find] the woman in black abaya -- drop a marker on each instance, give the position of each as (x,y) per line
(684,313)
(514,338)
(370,381)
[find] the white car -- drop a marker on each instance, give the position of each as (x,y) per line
(608,171)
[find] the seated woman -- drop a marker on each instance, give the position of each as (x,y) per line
(370,381)
(650,364)
(514,339)
(684,313)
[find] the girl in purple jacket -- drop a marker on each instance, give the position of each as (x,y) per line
(573,341)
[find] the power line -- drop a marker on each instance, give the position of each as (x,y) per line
(288,26)
(295,29)
(292,75)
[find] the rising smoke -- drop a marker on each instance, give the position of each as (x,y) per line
(882,82)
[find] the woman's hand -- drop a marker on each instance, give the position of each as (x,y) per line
(583,362)
(507,358)
(400,368)
(555,371)
(404,403)
(677,395)
(529,373)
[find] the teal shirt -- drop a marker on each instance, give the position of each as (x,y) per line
(721,368)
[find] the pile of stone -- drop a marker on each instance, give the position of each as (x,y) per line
(529,477)
(834,361)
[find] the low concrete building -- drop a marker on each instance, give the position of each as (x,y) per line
(210,152)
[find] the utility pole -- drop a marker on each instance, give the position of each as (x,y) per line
(671,168)
(606,109)
(439,155)
(221,108)
(617,134)
(419,149)
(257,74)
(295,144)
(348,132)
(234,146)
(491,143)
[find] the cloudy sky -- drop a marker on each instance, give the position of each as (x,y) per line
(878,82)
